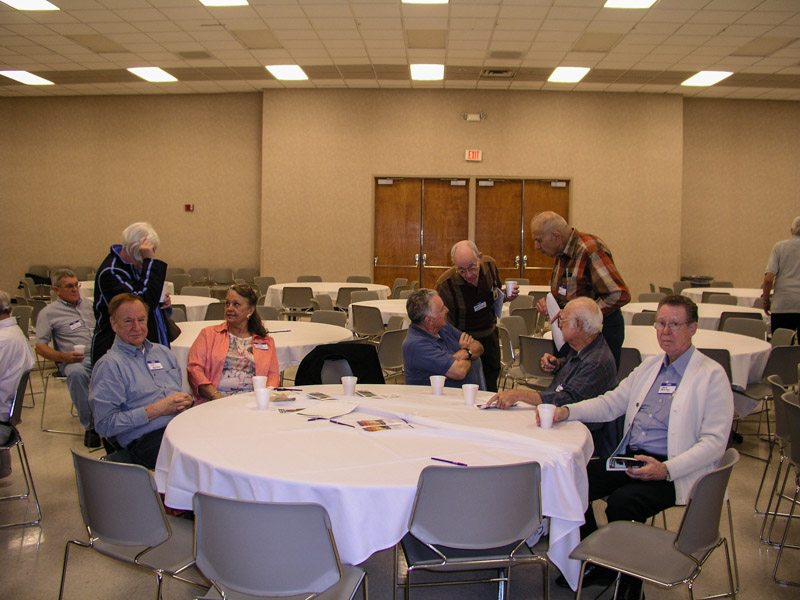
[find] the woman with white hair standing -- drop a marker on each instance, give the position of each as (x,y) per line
(130,268)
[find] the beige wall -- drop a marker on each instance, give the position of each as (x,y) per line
(75,171)
(741,185)
(323,148)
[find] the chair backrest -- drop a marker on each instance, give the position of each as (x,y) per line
(83,273)
(723,299)
(781,422)
(529,314)
(793,422)
(331,317)
(179,313)
(758,302)
(646,318)
(248,274)
(404,294)
(707,295)
(629,359)
(119,502)
(651,297)
(783,361)
(23,315)
(783,337)
(450,508)
(343,296)
(215,311)
(322,302)
(734,314)
(297,297)
(395,322)
(263,282)
(523,301)
(537,296)
(21,300)
(359,279)
(531,350)
(367,320)
(664,290)
(399,281)
(333,369)
(390,349)
(652,288)
(40,270)
(413,284)
(362,358)
(173,271)
(364,296)
(399,289)
(752,327)
(699,529)
(308,278)
(198,275)
(37,306)
(196,290)
(265,549)
(507,352)
(679,286)
(268,313)
(180,281)
(516,327)
(723,284)
(720,355)
(15,412)
(222,276)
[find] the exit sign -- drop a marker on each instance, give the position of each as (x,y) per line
(474,155)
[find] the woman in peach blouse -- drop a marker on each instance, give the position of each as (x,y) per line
(224,358)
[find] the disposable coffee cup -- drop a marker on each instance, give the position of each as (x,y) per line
(262,398)
(510,287)
(80,348)
(437,384)
(259,382)
(349,385)
(470,393)
(546,412)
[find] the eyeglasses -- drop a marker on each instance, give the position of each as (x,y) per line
(71,286)
(562,321)
(673,327)
(473,268)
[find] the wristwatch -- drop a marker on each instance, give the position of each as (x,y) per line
(469,353)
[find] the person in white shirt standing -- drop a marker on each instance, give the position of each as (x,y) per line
(783,276)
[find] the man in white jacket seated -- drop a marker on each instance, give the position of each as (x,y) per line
(678,409)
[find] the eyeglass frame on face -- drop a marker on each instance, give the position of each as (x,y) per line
(673,327)
(562,320)
(473,268)
(69,286)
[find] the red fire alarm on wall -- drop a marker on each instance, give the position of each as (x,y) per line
(188,207)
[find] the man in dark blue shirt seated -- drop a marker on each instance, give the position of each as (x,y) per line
(434,347)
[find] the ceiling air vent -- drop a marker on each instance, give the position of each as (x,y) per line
(498,73)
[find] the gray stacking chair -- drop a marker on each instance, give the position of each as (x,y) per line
(215,311)
(753,327)
(664,290)
(679,286)
(308,278)
(343,298)
(721,284)
(629,359)
(23,314)
(367,322)
(404,294)
(359,279)
(723,299)
(268,313)
(531,350)
(364,296)
(199,275)
(125,521)
(524,301)
(222,277)
(247,274)
(262,283)
(646,318)
(15,440)
(395,322)
(509,360)
(265,550)
(782,337)
(781,440)
(659,556)
(390,352)
(180,281)
(330,317)
(296,301)
(84,273)
(322,302)
(179,313)
(454,529)
(737,314)
(651,297)
(529,314)
(170,272)
(516,327)
(196,290)
(706,297)
(793,429)
(399,289)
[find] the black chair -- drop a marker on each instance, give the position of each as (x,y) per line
(361,359)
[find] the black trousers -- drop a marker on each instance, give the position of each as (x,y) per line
(144,451)
(490,359)
(614,333)
(628,499)
(785,320)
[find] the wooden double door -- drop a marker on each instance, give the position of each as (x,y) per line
(417,221)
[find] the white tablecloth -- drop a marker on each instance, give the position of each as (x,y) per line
(745,296)
(275,291)
(367,481)
(708,313)
(294,339)
(195,306)
(748,354)
(87,289)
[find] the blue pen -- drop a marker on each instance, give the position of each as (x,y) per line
(450,462)
(288,389)
(340,423)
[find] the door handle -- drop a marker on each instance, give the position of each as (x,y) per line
(416,260)
(516,261)
(424,259)
(375,261)
(525,260)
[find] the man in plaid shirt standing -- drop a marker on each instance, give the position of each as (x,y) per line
(583,267)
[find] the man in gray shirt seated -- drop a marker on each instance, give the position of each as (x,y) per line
(136,386)
(69,322)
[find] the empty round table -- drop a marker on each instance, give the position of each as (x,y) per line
(745,296)
(331,288)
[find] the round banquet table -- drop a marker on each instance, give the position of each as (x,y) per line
(275,291)
(367,480)
(293,340)
(748,354)
(87,289)
(745,296)
(708,313)
(195,305)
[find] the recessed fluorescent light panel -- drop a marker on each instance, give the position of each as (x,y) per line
(287,72)
(567,74)
(26,78)
(223,2)
(30,4)
(425,1)
(152,74)
(427,72)
(629,3)
(706,78)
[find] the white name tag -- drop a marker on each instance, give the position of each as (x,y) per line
(562,291)
(74,325)
(154,365)
(479,306)
(667,388)
(261,346)
(560,387)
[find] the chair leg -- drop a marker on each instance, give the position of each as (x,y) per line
(767,512)
(761,485)
(44,407)
(785,535)
(64,567)
(733,550)
(30,489)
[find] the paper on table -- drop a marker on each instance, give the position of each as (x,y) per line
(552,310)
(330,409)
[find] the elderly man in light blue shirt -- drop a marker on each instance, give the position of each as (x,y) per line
(136,387)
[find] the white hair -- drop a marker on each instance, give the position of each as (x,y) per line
(132,235)
(468,244)
(589,313)
(796,226)
(5,303)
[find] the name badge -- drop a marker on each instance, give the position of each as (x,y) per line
(479,306)
(74,325)
(560,387)
(261,346)
(154,365)
(562,290)
(667,388)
